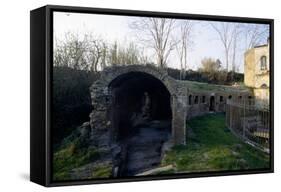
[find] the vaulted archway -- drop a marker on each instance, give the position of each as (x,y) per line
(138,100)
(168,100)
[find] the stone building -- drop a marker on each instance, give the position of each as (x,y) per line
(256,73)
(117,95)
(249,118)
(139,112)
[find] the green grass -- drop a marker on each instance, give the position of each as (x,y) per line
(212,147)
(199,86)
(104,171)
(70,157)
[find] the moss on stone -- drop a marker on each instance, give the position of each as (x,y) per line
(198,86)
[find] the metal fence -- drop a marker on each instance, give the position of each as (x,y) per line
(249,121)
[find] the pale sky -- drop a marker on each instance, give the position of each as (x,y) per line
(116,28)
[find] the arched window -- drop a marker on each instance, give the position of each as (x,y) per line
(221,98)
(203,99)
(190,100)
(250,100)
(264,86)
(263,62)
(196,99)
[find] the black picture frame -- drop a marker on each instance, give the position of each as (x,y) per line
(41,58)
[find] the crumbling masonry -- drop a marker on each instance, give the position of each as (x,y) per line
(139,112)
(187,99)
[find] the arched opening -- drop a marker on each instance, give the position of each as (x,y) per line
(190,100)
(263,63)
(140,116)
(196,100)
(264,86)
(212,103)
(203,99)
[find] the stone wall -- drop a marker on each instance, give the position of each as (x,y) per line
(188,99)
(249,68)
(101,98)
(257,78)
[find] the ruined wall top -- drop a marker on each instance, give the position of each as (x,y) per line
(176,88)
(110,73)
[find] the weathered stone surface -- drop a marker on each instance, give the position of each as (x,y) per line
(101,95)
(90,171)
(186,100)
(180,92)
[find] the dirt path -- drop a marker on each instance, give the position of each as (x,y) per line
(144,148)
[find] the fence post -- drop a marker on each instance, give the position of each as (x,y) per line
(244,123)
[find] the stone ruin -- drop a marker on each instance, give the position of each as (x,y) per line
(139,112)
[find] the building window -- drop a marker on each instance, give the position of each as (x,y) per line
(196,100)
(189,99)
(264,86)
(203,99)
(263,62)
(221,98)
(230,96)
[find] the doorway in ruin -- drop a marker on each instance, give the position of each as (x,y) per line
(212,103)
(140,116)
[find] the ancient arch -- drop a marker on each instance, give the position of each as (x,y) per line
(102,96)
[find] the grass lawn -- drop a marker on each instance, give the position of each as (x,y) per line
(212,147)
(73,156)
(70,157)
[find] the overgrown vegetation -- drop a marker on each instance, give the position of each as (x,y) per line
(71,104)
(219,77)
(75,156)
(72,156)
(102,172)
(211,71)
(92,53)
(212,147)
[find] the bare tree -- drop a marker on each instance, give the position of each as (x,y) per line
(89,52)
(143,58)
(95,53)
(255,34)
(124,55)
(71,51)
(228,35)
(60,54)
(112,54)
(236,33)
(183,44)
(156,33)
(83,53)
(130,54)
(104,55)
